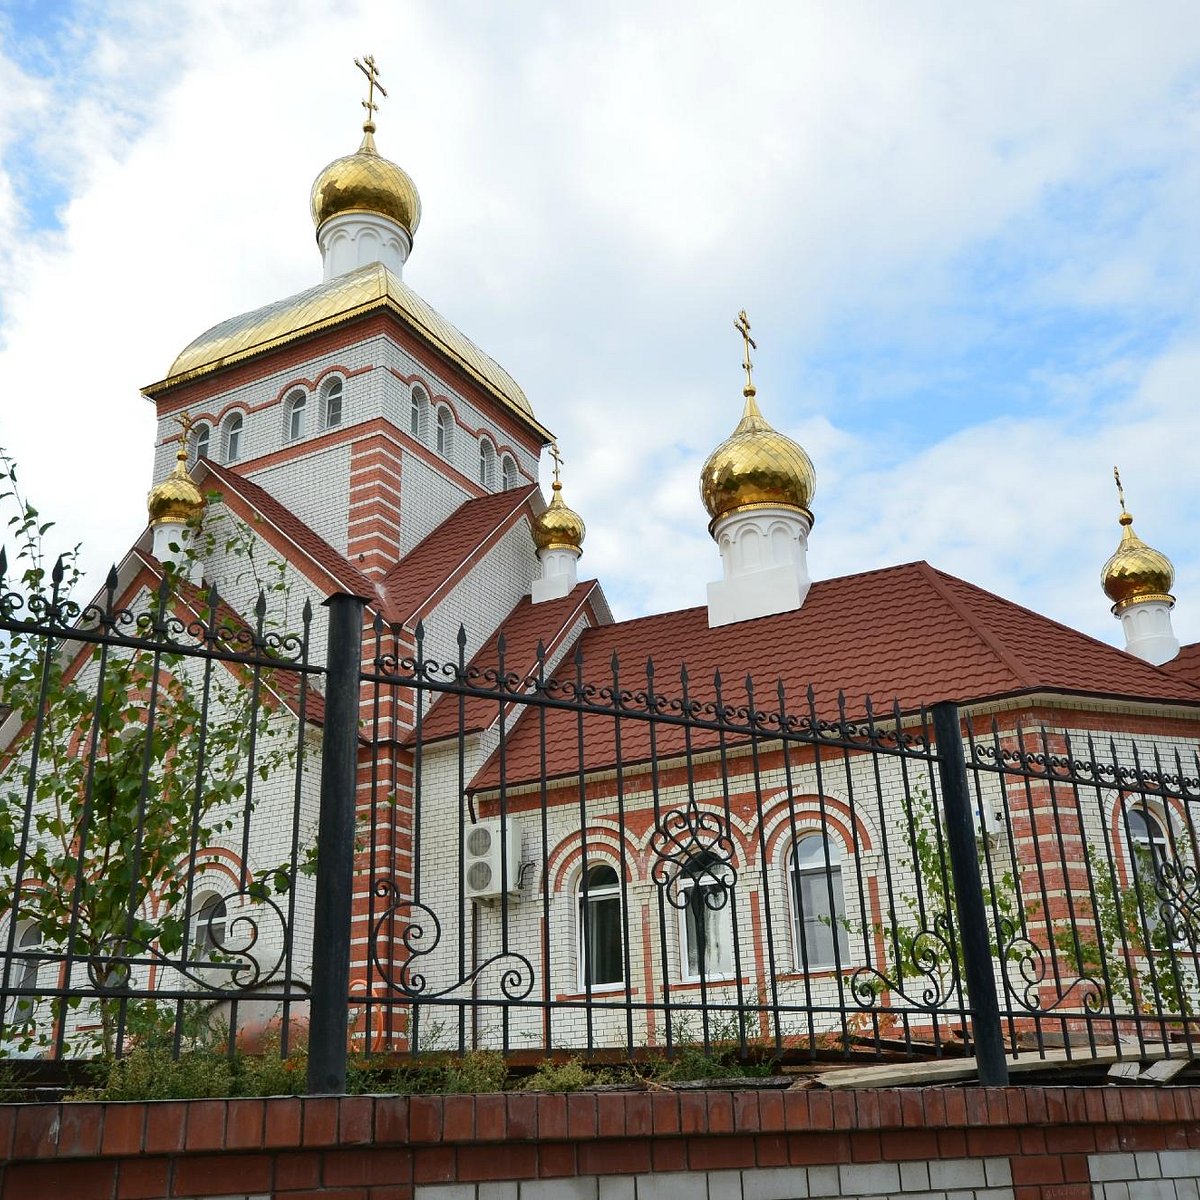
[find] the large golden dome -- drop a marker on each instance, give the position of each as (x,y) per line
(756,467)
(365,181)
(1136,573)
(175,499)
(559,527)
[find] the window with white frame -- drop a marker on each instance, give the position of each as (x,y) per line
(818,903)
(294,408)
(417,410)
(200,442)
(487,463)
(599,941)
(233,438)
(445,432)
(508,471)
(333,403)
(706,919)
(209,925)
(25,971)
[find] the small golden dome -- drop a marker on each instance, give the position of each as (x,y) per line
(176,499)
(756,467)
(365,181)
(559,527)
(1136,573)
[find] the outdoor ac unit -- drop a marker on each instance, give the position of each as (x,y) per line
(490,860)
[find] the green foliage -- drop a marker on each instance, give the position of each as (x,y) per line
(569,1076)
(145,761)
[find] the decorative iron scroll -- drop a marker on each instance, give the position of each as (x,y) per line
(1177,887)
(1033,970)
(111,972)
(419,932)
(690,844)
(930,954)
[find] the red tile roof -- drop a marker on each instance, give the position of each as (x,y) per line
(331,561)
(528,625)
(1186,664)
(908,633)
(436,563)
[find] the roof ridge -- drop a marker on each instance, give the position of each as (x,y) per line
(997,647)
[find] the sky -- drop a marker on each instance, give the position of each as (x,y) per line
(967,237)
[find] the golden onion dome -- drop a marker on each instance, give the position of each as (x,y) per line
(559,527)
(176,499)
(1136,573)
(756,467)
(365,181)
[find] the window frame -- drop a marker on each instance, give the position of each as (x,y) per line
(444,432)
(487,463)
(509,475)
(418,413)
(588,922)
(201,939)
(295,407)
(200,443)
(233,430)
(26,974)
(828,869)
(706,865)
(333,390)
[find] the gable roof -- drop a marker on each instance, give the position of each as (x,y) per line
(1186,664)
(527,626)
(335,564)
(910,634)
(437,562)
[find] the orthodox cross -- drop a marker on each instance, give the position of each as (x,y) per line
(371,71)
(185,426)
(558,460)
(1120,489)
(742,325)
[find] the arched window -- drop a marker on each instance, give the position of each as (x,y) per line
(233,438)
(600,929)
(294,407)
(487,463)
(508,471)
(1151,848)
(25,971)
(818,903)
(200,442)
(706,919)
(333,403)
(418,407)
(445,432)
(208,926)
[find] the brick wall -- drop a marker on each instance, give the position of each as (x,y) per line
(928,1143)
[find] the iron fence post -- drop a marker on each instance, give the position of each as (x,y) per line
(986,1033)
(330,1003)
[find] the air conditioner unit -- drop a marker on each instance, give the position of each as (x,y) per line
(491,860)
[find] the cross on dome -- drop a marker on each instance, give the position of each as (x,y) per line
(742,325)
(558,462)
(367,66)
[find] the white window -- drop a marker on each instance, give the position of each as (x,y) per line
(599,939)
(418,408)
(294,406)
(1151,857)
(208,926)
(818,903)
(445,432)
(333,403)
(508,470)
(25,971)
(233,438)
(200,445)
(487,463)
(706,920)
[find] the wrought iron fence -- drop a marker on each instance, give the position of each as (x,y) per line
(536,852)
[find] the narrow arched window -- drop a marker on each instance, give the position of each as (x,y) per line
(333,403)
(233,438)
(445,432)
(818,903)
(416,414)
(200,444)
(706,919)
(487,463)
(26,970)
(297,402)
(208,926)
(508,470)
(599,942)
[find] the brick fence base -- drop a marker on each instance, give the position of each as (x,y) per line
(1022,1143)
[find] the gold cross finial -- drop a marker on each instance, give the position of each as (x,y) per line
(742,325)
(558,461)
(185,432)
(367,66)
(1120,489)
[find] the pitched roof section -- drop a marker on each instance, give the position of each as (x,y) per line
(335,564)
(435,564)
(1186,664)
(528,625)
(908,633)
